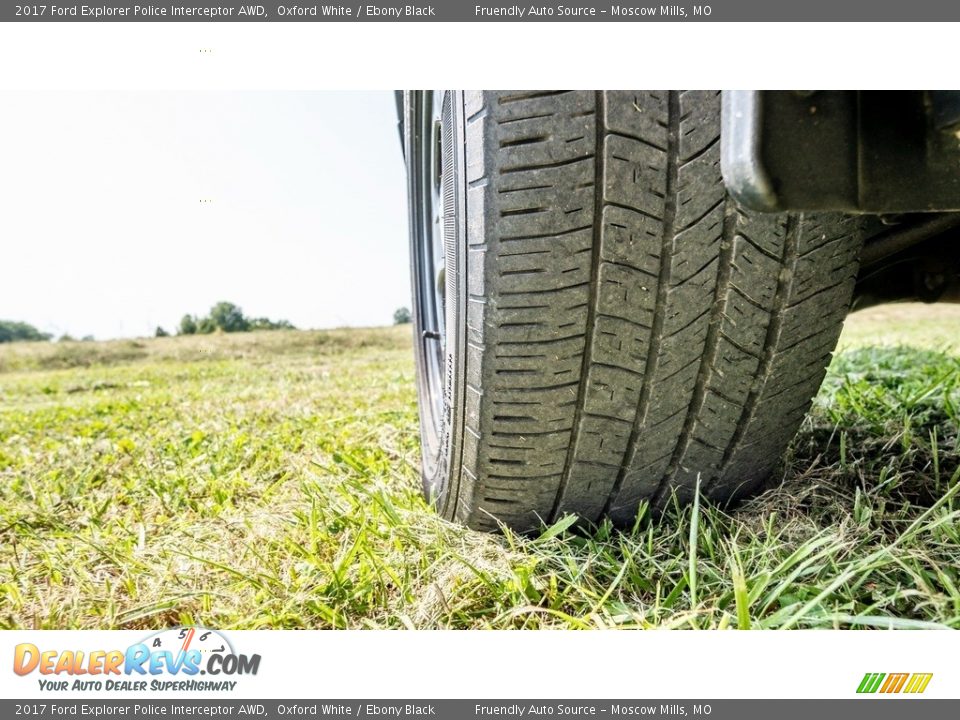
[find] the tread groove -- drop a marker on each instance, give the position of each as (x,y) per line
(784,283)
(670,209)
(591,307)
(707,358)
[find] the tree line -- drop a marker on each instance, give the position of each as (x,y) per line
(11,331)
(225,317)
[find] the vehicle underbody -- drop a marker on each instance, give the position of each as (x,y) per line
(894,155)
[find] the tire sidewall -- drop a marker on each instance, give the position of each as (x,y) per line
(441,438)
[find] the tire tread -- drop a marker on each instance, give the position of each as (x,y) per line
(632,332)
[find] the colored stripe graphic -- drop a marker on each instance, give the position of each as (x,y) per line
(870,682)
(918,682)
(894,683)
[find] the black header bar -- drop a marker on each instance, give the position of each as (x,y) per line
(485,11)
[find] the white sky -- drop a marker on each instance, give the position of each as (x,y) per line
(102,229)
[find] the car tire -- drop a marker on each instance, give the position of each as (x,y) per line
(598,325)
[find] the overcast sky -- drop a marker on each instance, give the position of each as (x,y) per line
(103,232)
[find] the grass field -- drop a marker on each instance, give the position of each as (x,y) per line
(270,480)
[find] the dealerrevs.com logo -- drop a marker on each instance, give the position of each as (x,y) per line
(168,660)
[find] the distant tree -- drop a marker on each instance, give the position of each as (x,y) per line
(87,338)
(263,323)
(228,317)
(11,331)
(160,332)
(188,325)
(65,338)
(402,316)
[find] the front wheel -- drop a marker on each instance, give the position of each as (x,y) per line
(598,324)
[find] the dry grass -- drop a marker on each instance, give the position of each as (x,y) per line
(934,327)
